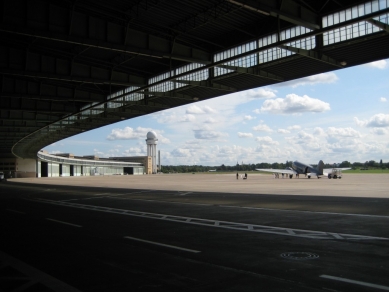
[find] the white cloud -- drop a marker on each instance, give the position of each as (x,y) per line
(262,128)
(261,93)
(195,110)
(283,131)
(210,121)
(383,99)
(128,133)
(379,131)
(319,132)
(376,121)
(294,127)
(325,78)
(248,118)
(207,109)
(304,136)
(382,64)
(135,151)
(245,135)
(179,152)
(343,132)
(266,140)
(209,135)
(174,119)
(293,104)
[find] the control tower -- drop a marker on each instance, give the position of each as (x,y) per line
(151,142)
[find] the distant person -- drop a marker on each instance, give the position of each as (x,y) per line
(245,175)
(237,175)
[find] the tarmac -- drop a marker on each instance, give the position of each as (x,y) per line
(195,232)
(351,185)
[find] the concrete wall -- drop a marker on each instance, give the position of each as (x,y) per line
(26,168)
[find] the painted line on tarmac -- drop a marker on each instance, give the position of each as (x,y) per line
(259,208)
(370,285)
(170,202)
(162,244)
(96,196)
(312,234)
(304,211)
(67,223)
(103,195)
(15,211)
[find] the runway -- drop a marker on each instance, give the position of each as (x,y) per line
(262,234)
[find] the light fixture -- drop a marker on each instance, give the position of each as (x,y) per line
(343,63)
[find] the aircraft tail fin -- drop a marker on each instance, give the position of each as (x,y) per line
(320,167)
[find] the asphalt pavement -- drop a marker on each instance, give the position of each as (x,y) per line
(167,233)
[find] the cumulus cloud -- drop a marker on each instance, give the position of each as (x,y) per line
(173,119)
(379,131)
(382,64)
(245,135)
(179,152)
(134,151)
(304,136)
(376,121)
(128,133)
(319,132)
(261,93)
(266,140)
(209,135)
(325,78)
(210,121)
(294,127)
(262,128)
(383,99)
(293,104)
(196,110)
(248,118)
(283,131)
(343,132)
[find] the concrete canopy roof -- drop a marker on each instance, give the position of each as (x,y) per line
(63,62)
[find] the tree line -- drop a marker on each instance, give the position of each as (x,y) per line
(251,167)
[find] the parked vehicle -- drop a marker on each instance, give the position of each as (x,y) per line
(335,173)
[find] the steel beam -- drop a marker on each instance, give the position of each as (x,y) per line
(255,71)
(314,55)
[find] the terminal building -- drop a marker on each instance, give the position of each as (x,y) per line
(67,164)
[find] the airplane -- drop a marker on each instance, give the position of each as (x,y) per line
(308,170)
(211,170)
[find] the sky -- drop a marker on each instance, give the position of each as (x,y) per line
(336,116)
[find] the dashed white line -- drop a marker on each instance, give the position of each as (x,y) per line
(162,244)
(223,224)
(386,288)
(67,223)
(259,208)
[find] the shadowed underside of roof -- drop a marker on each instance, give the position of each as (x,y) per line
(72,66)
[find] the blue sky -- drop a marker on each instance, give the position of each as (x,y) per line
(336,116)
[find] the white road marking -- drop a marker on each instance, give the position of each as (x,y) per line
(221,224)
(386,288)
(64,222)
(97,196)
(258,208)
(19,212)
(303,211)
(161,244)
